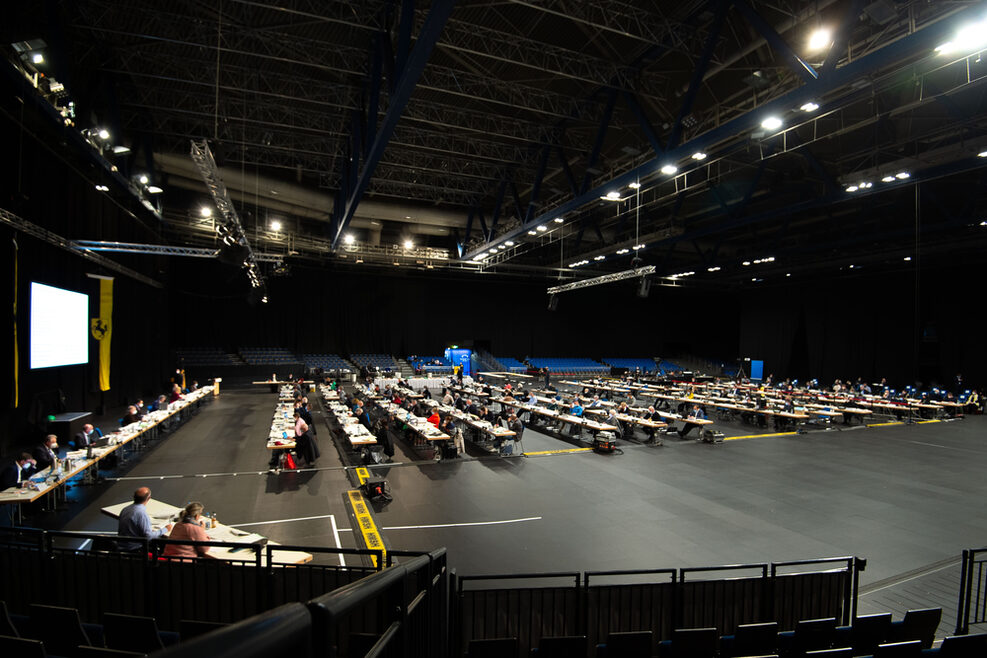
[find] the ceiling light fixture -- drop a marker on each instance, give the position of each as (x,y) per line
(408,244)
(205,211)
(104,134)
(902,175)
(809,107)
(143,179)
(509,243)
(698,155)
(852,188)
(276,225)
(349,239)
(635,185)
(154,189)
(612,195)
(772,123)
(714,269)
(669,169)
(532,232)
(888,179)
(820,39)
(541,228)
(558,220)
(38,58)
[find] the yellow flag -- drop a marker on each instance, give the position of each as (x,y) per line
(102,330)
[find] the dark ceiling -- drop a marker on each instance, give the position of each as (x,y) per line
(527,110)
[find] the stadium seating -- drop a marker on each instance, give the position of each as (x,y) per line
(569,366)
(326,362)
(437,364)
(512,364)
(205,356)
(646,365)
(267,356)
(385,362)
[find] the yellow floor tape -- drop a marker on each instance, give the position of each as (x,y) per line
(365,522)
(558,452)
(925,422)
(758,436)
(363,474)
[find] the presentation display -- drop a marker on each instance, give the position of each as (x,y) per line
(59,327)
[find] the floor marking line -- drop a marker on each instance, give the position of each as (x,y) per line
(926,422)
(460,525)
(301,518)
(918,575)
(894,422)
(758,436)
(335,534)
(231,474)
(558,452)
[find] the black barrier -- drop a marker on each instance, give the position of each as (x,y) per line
(88,572)
(659,601)
(972,608)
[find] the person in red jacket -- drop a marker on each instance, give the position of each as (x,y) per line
(434,418)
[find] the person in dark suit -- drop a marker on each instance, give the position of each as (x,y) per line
(46,453)
(652,414)
(90,434)
(697,413)
(17,471)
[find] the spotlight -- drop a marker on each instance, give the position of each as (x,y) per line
(902,175)
(154,189)
(907,258)
(509,243)
(557,220)
(104,134)
(746,263)
(38,58)
(276,225)
(772,123)
(852,188)
(612,195)
(698,155)
(669,169)
(714,269)
(408,244)
(349,239)
(143,179)
(600,257)
(809,107)
(970,38)
(532,232)
(120,149)
(542,228)
(982,154)
(205,211)
(820,39)
(102,188)
(635,185)
(888,179)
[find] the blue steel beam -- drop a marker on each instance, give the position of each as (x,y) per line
(920,42)
(643,122)
(779,45)
(838,48)
(699,72)
(428,37)
(567,170)
(601,133)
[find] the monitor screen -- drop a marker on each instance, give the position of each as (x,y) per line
(59,327)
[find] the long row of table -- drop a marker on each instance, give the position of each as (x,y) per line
(52,479)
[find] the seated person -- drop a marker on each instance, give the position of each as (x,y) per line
(190,527)
(46,453)
(161,404)
(134,522)
(450,427)
(435,419)
(17,471)
(132,416)
(697,413)
(176,393)
(90,433)
(652,414)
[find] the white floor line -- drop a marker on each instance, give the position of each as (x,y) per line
(458,525)
(335,534)
(302,518)
(952,565)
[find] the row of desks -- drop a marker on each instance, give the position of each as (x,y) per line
(53,479)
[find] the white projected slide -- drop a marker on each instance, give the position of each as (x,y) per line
(59,327)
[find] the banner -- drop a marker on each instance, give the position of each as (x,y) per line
(102,330)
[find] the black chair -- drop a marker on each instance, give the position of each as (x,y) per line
(631,644)
(189,628)
(809,635)
(563,646)
(869,631)
(492,648)
(918,625)
(6,626)
(131,633)
(751,640)
(693,643)
(910,649)
(103,652)
(21,647)
(59,628)
(963,646)
(284,632)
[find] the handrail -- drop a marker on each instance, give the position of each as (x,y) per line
(347,598)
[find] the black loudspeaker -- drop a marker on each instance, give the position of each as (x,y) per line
(377,490)
(644,288)
(553,302)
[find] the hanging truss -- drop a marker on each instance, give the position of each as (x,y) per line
(24,226)
(601,280)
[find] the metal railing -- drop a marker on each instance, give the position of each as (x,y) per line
(656,600)
(90,572)
(972,608)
